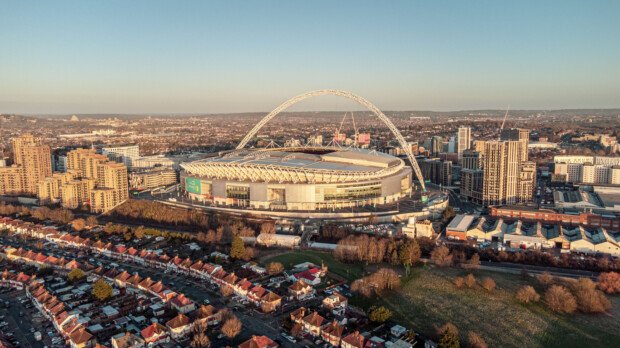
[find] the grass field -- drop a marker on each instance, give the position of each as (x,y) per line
(347,271)
(429,298)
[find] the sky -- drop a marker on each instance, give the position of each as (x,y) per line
(241,56)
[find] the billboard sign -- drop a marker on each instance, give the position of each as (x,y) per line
(192,185)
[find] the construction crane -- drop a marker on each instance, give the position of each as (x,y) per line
(499,136)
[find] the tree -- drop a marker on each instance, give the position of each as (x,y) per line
(441,256)
(488,284)
(474,261)
(470,280)
(560,300)
(75,275)
(237,249)
(226,290)
(545,278)
(78,224)
(249,253)
(527,294)
(138,233)
(102,290)
(409,253)
(475,340)
(199,327)
(200,340)
(589,299)
(127,236)
(91,221)
(609,282)
(274,268)
(459,282)
(231,327)
(448,336)
(448,214)
(379,314)
(268,228)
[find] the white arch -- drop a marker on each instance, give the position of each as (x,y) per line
(356,98)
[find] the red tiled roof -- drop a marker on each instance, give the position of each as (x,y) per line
(259,342)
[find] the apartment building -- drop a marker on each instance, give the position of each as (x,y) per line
(35,160)
(463,140)
(508,176)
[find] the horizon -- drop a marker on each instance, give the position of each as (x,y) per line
(234,57)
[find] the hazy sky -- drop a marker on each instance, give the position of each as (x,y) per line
(231,56)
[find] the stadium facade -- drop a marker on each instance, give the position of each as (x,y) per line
(298,179)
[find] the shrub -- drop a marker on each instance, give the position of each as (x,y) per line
(470,280)
(545,278)
(609,282)
(527,294)
(589,299)
(488,284)
(448,336)
(560,300)
(475,340)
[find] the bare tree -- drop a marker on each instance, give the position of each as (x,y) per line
(441,256)
(560,300)
(231,327)
(200,340)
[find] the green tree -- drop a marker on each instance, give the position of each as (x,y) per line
(102,290)
(75,275)
(379,314)
(138,233)
(237,249)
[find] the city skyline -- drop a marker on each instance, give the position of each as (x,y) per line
(115,57)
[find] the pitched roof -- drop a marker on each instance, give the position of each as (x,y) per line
(259,342)
(314,319)
(178,321)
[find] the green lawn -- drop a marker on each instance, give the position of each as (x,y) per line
(428,298)
(344,270)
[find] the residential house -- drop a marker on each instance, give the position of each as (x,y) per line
(179,327)
(353,340)
(300,290)
(259,342)
(312,323)
(332,333)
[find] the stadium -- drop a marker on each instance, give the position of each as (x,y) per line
(308,178)
(329,182)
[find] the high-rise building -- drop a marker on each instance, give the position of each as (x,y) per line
(11,180)
(463,140)
(436,145)
(471,160)
(437,171)
(517,134)
(472,184)
(34,158)
(503,162)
